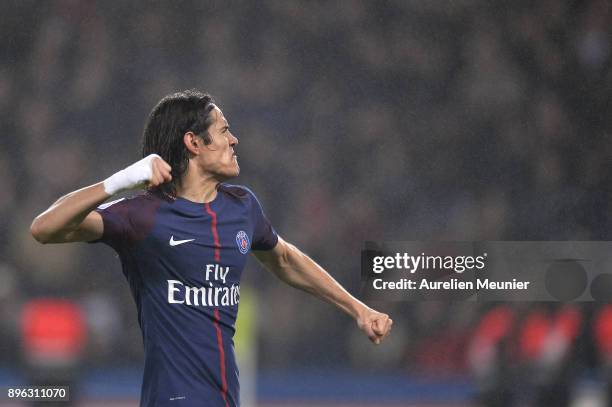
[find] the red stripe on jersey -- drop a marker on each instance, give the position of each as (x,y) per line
(221,358)
(213,227)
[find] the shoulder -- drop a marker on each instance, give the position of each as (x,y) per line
(243,195)
(236,191)
(137,206)
(144,198)
(128,220)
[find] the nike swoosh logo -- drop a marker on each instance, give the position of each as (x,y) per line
(178,242)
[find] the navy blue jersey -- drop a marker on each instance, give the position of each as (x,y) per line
(183,261)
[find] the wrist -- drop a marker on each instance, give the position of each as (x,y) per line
(359,310)
(134,176)
(115,183)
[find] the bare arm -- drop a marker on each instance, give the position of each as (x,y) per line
(72,217)
(295,268)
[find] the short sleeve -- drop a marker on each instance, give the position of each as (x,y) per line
(264,235)
(115,217)
(128,221)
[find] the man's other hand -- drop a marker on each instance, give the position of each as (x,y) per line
(376,325)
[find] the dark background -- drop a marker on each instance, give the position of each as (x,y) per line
(361,120)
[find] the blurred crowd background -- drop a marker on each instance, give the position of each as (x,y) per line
(360,120)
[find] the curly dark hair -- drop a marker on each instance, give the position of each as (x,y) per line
(170,119)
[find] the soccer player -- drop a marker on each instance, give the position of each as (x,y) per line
(183,245)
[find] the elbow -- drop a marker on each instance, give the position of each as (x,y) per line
(290,264)
(284,261)
(38,232)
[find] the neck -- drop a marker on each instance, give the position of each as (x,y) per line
(197,187)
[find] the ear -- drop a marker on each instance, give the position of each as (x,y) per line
(192,142)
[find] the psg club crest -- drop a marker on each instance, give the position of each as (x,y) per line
(242,240)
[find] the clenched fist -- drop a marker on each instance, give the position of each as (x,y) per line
(375,324)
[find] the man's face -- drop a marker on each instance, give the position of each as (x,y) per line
(219,158)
